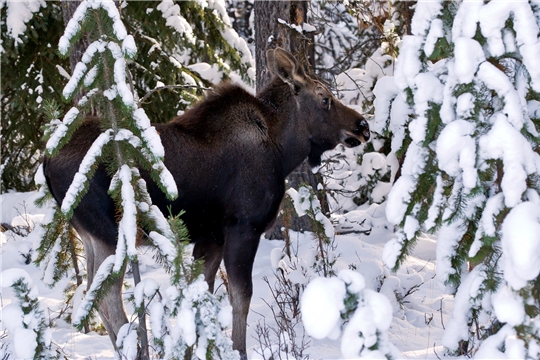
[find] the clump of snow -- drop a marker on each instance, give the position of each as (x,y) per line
(127,342)
(468,56)
(498,81)
(435,32)
(325,302)
(521,244)
(322,304)
(465,299)
(505,142)
(31,337)
(145,289)
(104,270)
(456,151)
(18,13)
(508,306)
(62,128)
(171,12)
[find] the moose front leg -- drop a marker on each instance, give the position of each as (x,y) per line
(241,242)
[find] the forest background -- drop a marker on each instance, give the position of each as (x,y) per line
(452,94)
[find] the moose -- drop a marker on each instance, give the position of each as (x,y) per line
(229,155)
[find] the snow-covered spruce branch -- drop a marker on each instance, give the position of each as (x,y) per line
(470,165)
(218,16)
(25,320)
(80,182)
(328,302)
(96,290)
(127,133)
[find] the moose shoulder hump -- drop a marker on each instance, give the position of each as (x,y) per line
(227,109)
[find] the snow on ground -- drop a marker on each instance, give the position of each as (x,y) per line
(420,309)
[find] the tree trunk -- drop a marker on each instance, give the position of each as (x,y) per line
(269,34)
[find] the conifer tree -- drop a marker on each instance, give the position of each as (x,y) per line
(127,143)
(463,110)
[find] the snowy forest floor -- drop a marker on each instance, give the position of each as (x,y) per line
(420,308)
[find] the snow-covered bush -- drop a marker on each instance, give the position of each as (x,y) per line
(25,320)
(306,203)
(343,306)
(463,111)
(286,338)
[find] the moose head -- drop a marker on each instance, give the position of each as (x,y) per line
(324,118)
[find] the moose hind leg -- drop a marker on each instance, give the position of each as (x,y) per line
(239,251)
(111,307)
(211,253)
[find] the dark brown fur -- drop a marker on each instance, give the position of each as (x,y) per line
(229,156)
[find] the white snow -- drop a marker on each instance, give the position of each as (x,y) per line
(468,56)
(456,328)
(496,80)
(9,276)
(25,343)
(145,289)
(435,32)
(456,151)
(127,227)
(18,13)
(127,342)
(508,307)
(322,304)
(128,47)
(100,276)
(171,12)
(78,73)
(504,142)
(425,12)
(521,244)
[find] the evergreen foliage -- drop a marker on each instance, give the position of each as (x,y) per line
(471,159)
(32,329)
(31,73)
(185,318)
(180,42)
(357,314)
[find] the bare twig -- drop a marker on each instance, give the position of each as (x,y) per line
(171,87)
(442,321)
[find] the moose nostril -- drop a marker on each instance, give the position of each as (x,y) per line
(366,133)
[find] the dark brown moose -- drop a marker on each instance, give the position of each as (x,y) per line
(229,156)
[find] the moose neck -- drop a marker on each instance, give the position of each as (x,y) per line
(286,126)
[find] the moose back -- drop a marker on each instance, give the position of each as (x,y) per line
(229,156)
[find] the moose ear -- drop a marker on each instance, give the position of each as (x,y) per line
(281,63)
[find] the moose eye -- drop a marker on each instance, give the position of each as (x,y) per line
(326,103)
